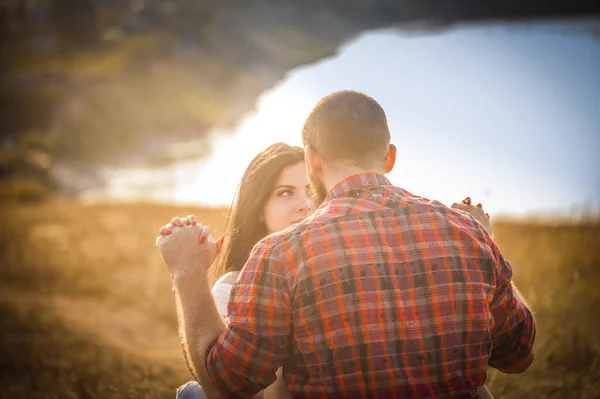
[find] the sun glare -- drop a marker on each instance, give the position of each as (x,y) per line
(214,180)
(521,150)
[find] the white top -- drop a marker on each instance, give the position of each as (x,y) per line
(220,292)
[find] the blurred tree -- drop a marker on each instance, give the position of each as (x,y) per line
(117,81)
(76,23)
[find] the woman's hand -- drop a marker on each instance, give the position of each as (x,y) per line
(476,211)
(187,247)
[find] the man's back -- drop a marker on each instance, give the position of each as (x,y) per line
(380,294)
(392,296)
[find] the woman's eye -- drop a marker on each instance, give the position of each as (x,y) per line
(286,193)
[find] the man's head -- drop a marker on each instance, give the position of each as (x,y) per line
(346,131)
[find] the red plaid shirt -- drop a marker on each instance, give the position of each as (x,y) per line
(379,294)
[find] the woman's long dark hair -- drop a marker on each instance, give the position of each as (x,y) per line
(244,227)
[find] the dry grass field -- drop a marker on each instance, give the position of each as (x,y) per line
(86,309)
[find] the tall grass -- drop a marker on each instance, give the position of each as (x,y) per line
(86,309)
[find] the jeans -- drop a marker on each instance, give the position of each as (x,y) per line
(190,390)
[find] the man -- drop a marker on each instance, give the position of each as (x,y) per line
(378,294)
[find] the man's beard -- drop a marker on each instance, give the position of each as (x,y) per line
(317,189)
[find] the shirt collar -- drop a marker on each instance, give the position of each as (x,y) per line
(357,181)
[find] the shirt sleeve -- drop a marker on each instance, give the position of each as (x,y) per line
(514,329)
(245,357)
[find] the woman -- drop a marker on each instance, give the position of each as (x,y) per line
(273,195)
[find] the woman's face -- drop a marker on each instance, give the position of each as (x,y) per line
(289,202)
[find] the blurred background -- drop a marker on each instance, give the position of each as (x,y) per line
(117,115)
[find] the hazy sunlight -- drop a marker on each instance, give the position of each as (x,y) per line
(488,112)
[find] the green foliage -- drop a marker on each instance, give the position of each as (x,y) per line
(167,72)
(25,168)
(115,79)
(24,189)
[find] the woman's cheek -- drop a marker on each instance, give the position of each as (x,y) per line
(276,215)
(284,209)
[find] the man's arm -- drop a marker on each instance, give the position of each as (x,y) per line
(245,358)
(188,252)
(239,359)
(521,364)
(514,329)
(199,326)
(187,339)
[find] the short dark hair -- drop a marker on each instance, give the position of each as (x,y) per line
(244,228)
(348,126)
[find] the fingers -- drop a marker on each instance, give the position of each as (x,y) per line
(473,210)
(463,207)
(204,234)
(176,221)
(190,220)
(165,230)
(220,242)
(466,203)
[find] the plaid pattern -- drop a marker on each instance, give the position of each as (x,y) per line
(379,294)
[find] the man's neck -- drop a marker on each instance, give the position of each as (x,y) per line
(334,176)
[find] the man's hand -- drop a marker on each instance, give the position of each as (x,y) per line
(476,211)
(186,247)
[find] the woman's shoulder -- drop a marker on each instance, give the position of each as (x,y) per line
(227,279)
(222,289)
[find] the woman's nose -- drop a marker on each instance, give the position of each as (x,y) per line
(305,204)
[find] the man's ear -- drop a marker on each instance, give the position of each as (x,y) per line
(313,161)
(390,161)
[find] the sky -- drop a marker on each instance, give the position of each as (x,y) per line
(506,114)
